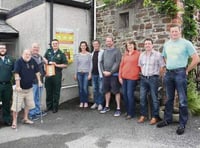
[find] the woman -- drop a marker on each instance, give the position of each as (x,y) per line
(128,76)
(83,72)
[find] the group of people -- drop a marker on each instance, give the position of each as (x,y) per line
(109,71)
(26,74)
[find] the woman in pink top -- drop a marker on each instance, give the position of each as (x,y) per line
(128,76)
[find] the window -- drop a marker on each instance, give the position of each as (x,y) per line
(124,20)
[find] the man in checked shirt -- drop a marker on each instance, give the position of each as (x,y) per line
(152,64)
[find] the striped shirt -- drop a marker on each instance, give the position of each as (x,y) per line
(151,64)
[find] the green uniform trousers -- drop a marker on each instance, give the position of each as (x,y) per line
(6,97)
(53,85)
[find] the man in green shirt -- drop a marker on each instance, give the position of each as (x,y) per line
(6,68)
(54,56)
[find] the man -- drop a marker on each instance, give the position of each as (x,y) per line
(6,68)
(56,57)
(151,64)
(35,113)
(110,66)
(176,52)
(97,76)
(25,71)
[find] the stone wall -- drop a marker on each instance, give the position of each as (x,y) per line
(144,23)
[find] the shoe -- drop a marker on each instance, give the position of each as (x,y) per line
(117,113)
(94,106)
(43,114)
(34,117)
(8,123)
(180,130)
(100,107)
(162,124)
(125,114)
(104,110)
(27,121)
(85,105)
(14,126)
(81,105)
(55,110)
(141,119)
(153,121)
(128,117)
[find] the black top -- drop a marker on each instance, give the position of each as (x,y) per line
(95,63)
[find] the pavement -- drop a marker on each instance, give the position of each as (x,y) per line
(72,127)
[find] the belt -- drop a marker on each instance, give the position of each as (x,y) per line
(176,70)
(4,83)
(148,77)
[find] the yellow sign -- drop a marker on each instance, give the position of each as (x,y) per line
(66,40)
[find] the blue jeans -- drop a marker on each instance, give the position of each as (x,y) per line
(176,80)
(146,85)
(128,88)
(82,78)
(37,94)
(97,84)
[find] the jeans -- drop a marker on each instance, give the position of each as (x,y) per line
(128,88)
(176,80)
(82,78)
(97,84)
(37,94)
(149,84)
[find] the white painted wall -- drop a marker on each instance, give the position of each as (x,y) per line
(33,26)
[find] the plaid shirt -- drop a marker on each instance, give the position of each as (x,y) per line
(151,64)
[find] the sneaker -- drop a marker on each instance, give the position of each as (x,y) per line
(94,106)
(34,117)
(85,105)
(180,130)
(100,107)
(43,114)
(162,124)
(81,105)
(117,113)
(104,110)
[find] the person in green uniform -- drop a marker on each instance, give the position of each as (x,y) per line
(6,68)
(54,56)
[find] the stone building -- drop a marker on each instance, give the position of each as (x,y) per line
(133,21)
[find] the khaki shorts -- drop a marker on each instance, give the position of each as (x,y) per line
(23,97)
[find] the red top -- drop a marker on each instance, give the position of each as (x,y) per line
(129,68)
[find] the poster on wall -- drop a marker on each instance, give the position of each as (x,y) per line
(66,39)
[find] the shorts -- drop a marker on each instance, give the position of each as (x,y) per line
(23,97)
(111,84)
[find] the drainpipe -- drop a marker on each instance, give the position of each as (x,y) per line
(51,20)
(93,21)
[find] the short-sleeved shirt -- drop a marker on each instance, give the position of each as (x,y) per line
(177,53)
(58,57)
(151,64)
(27,72)
(6,68)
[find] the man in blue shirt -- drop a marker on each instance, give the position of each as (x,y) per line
(176,52)
(25,71)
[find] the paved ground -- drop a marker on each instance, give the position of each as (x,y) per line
(72,127)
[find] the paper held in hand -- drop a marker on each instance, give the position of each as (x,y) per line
(50,70)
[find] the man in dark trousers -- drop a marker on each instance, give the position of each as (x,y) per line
(54,56)
(6,68)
